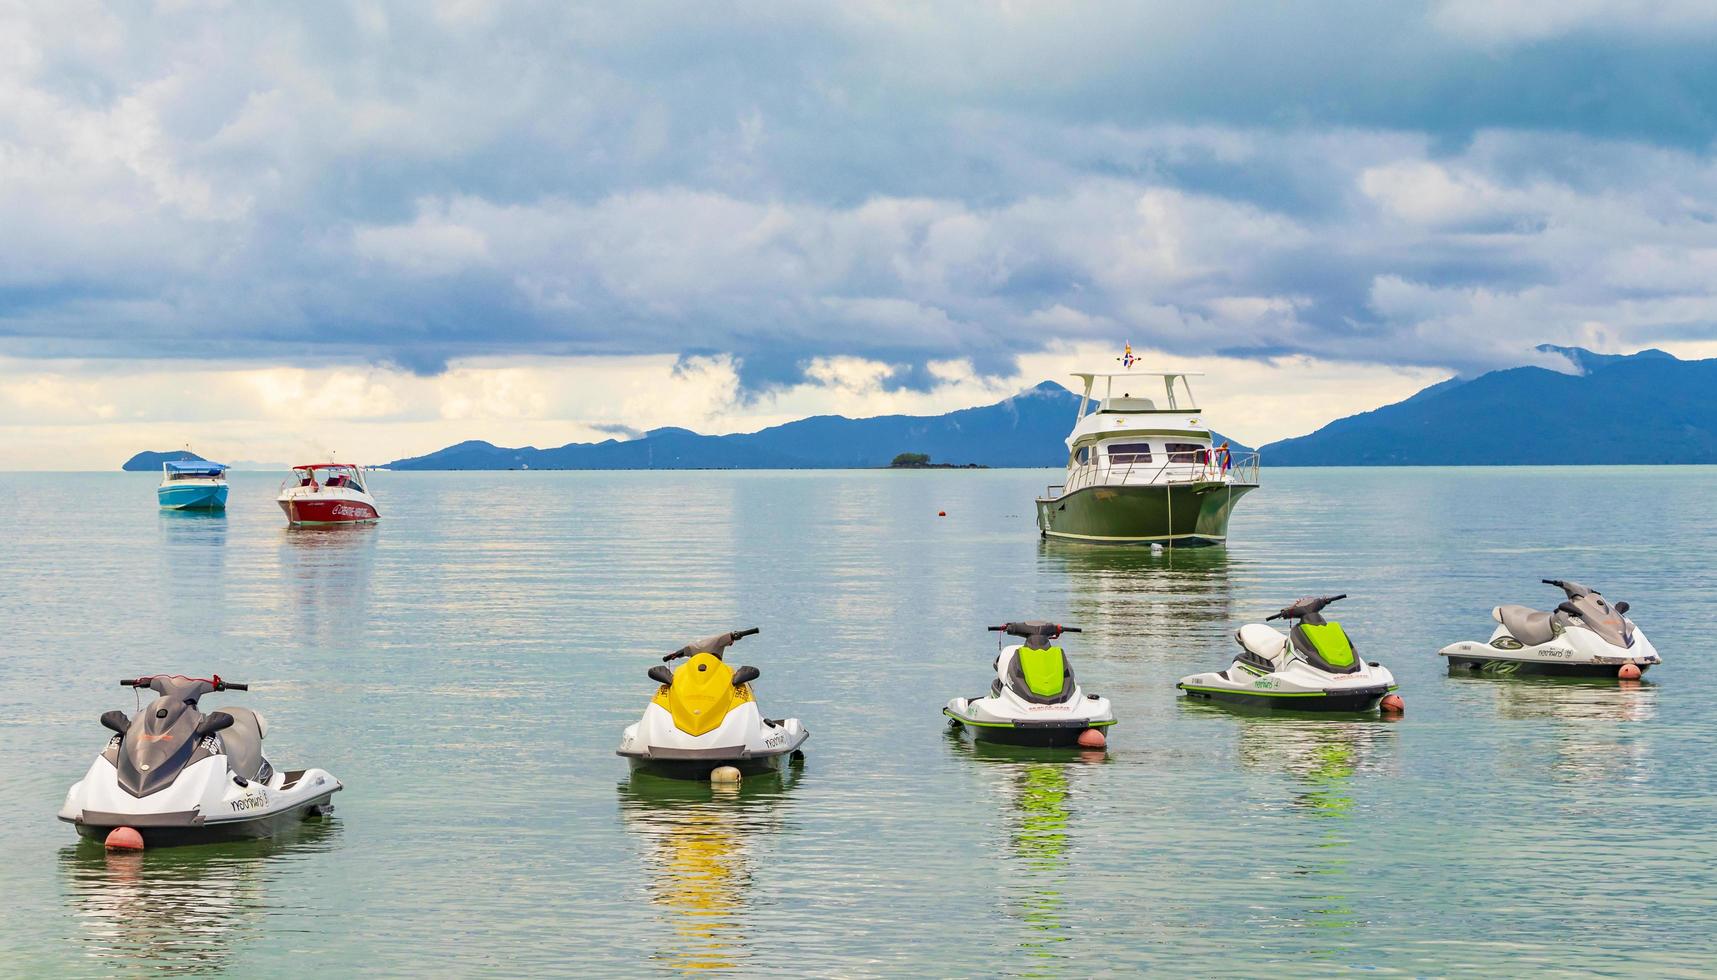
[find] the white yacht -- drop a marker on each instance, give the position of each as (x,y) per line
(1141,467)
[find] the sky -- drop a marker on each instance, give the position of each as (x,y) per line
(272,231)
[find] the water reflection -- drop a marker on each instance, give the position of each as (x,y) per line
(1322,757)
(327,571)
(1573,699)
(702,841)
(193,556)
(181,909)
(1038,785)
(1140,589)
(193,525)
(1592,732)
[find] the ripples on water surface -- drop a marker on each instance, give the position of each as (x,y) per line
(466,667)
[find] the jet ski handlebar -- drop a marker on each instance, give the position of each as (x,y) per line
(1306,607)
(713,644)
(215,682)
(1574,589)
(1034,629)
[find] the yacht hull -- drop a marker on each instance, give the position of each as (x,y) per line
(1178,515)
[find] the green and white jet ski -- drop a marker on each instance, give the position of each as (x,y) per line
(1034,699)
(1314,667)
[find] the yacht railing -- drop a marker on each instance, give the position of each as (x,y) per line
(1242,470)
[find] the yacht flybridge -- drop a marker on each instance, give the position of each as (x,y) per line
(1141,467)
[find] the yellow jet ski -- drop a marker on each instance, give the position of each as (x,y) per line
(704,717)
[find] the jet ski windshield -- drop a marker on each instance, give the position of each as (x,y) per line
(711,644)
(1038,671)
(1588,608)
(1319,642)
(169,734)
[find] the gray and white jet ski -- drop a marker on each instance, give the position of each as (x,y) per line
(1585,636)
(1033,699)
(704,717)
(178,776)
(1313,667)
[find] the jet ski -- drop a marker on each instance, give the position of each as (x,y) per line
(1034,699)
(178,776)
(1585,636)
(1314,667)
(704,717)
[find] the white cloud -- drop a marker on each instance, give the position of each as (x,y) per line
(433,244)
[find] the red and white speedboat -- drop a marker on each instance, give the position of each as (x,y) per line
(327,493)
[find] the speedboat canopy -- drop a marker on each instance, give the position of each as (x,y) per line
(193,467)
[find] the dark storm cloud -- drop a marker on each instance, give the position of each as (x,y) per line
(1445,184)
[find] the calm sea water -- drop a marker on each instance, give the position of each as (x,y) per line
(467,665)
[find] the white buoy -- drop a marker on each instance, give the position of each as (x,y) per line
(725,774)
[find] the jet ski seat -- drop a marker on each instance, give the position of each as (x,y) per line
(1264,643)
(242,742)
(1041,676)
(1525,624)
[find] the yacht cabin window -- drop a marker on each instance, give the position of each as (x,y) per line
(1083,455)
(1129,452)
(1185,452)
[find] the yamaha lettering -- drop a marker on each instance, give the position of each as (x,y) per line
(250,803)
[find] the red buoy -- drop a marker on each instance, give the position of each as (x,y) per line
(124,839)
(1092,738)
(941,513)
(1392,704)
(1629,672)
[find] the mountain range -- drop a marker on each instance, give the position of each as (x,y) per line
(1028,429)
(1647,407)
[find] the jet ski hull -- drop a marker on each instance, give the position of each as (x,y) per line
(1483,658)
(175,829)
(1356,700)
(1038,734)
(744,740)
(699,768)
(179,814)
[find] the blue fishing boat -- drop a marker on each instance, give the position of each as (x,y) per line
(192,484)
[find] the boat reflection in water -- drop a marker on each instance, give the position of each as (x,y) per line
(1591,736)
(1182,592)
(1322,758)
(702,840)
(1038,784)
(182,909)
(327,572)
(193,559)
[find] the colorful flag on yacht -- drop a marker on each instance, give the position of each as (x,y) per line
(1127,359)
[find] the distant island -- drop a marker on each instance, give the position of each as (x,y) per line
(151,461)
(921,461)
(1646,407)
